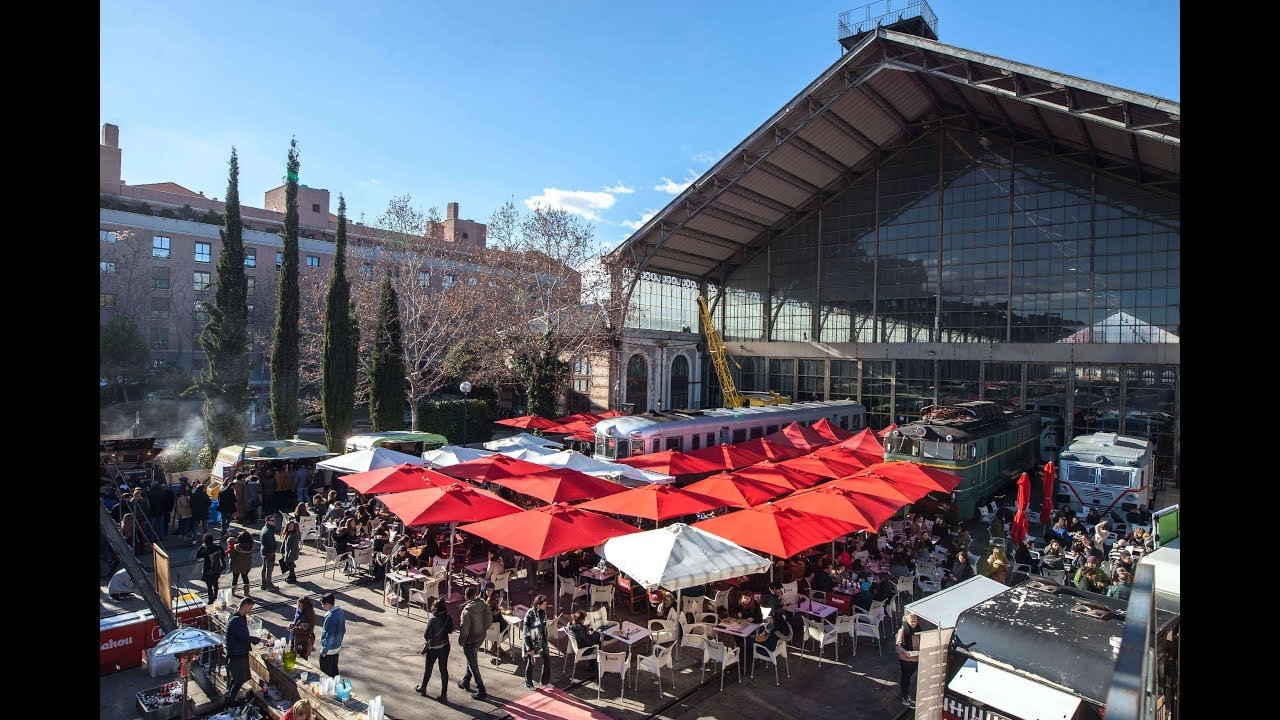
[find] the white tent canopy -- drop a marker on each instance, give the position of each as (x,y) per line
(452,455)
(364,460)
(526,452)
(599,468)
(1121,327)
(679,556)
(523,439)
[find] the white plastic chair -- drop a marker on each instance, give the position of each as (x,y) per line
(907,584)
(844,625)
(662,632)
(722,600)
(760,652)
(1023,568)
(1058,576)
(715,651)
(602,594)
(578,654)
(495,635)
(502,583)
(695,605)
(863,625)
(574,592)
(694,635)
(791,587)
(332,558)
(309,529)
(823,632)
(818,595)
(926,568)
(611,662)
(653,663)
(599,618)
(927,584)
(423,596)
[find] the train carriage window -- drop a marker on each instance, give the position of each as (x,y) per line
(844,421)
(657,445)
(756,433)
(711,439)
(771,429)
(623,446)
(740,435)
(938,450)
(675,443)
(637,447)
(1115,478)
(694,443)
(973,451)
(991,445)
(611,447)
(1079,474)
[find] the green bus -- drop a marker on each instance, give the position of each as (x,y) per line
(978,441)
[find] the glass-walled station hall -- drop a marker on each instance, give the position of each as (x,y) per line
(925,225)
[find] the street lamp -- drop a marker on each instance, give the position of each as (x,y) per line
(465,387)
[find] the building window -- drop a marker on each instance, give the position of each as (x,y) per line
(680,382)
(279,259)
(201,314)
(198,365)
(464,236)
(638,383)
(106,300)
(251,257)
(203,252)
(579,399)
(366,269)
(203,280)
(106,267)
(315,207)
(160,246)
(159,308)
(160,278)
(251,284)
(107,236)
(249,315)
(448,281)
(159,338)
(313,261)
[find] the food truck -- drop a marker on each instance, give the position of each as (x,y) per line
(410,442)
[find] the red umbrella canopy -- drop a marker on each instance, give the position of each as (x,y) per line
(771,451)
(737,492)
(587,436)
(800,437)
(865,443)
(585,417)
(491,468)
(1018,528)
(777,530)
(828,466)
(868,511)
(655,502)
(830,430)
(609,414)
(671,462)
(573,426)
(887,429)
(397,478)
(527,422)
(549,530)
(729,457)
(874,485)
(455,503)
(922,475)
(1046,505)
(779,474)
(560,485)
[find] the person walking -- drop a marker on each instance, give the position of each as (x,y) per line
(302,631)
(292,549)
(242,560)
(238,643)
(182,510)
(908,657)
(535,641)
(252,498)
(227,504)
(200,503)
(161,505)
(331,633)
(215,561)
(476,619)
(302,483)
(435,647)
(270,546)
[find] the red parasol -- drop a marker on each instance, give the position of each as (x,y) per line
(395,479)
(729,457)
(922,475)
(841,503)
(655,502)
(887,429)
(1018,528)
(865,444)
(585,417)
(771,451)
(737,492)
(829,466)
(874,485)
(587,436)
(610,414)
(1046,505)
(779,474)
(527,422)
(573,426)
(830,430)
(492,467)
(670,462)
(800,437)
(779,531)
(554,485)
(543,532)
(455,503)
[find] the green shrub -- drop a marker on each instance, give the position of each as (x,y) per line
(450,417)
(176,458)
(204,458)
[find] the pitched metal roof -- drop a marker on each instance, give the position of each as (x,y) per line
(890,89)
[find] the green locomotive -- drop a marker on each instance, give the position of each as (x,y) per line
(978,441)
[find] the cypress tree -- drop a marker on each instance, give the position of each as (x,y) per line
(341,341)
(225,338)
(284,341)
(386,371)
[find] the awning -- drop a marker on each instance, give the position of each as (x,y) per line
(944,607)
(1013,694)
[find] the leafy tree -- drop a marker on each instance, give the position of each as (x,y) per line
(225,338)
(284,345)
(341,345)
(542,373)
(387,378)
(123,355)
(176,458)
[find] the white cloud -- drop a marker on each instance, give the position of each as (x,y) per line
(637,224)
(579,202)
(370,181)
(671,187)
(619,189)
(706,157)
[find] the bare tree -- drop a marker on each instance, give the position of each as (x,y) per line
(126,272)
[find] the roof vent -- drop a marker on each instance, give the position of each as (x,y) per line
(1094,610)
(1045,585)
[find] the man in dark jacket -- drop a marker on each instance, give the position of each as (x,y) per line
(227,503)
(161,505)
(270,545)
(476,619)
(238,644)
(200,503)
(535,641)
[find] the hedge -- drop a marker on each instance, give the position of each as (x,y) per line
(448,417)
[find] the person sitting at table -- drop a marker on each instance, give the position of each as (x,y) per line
(998,566)
(821,579)
(884,587)
(1092,517)
(1119,588)
(583,635)
(959,571)
(1102,536)
(776,627)
(1051,558)
(567,568)
(997,528)
(1074,526)
(748,609)
(665,602)
(1022,554)
(1091,577)
(845,558)
(1073,558)
(900,565)
(1124,561)
(319,506)
(495,566)
(494,601)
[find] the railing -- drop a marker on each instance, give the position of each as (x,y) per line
(889,12)
(1133,694)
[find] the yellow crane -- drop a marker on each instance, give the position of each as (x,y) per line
(719,358)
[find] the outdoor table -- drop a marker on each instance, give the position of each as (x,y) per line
(628,634)
(738,628)
(399,578)
(514,619)
(817,609)
(477,569)
(596,577)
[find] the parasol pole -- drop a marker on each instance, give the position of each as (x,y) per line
(448,574)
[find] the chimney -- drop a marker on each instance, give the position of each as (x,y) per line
(451,211)
(110,135)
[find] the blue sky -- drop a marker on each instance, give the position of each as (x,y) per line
(604,107)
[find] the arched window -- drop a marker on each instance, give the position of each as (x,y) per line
(579,397)
(679,382)
(638,383)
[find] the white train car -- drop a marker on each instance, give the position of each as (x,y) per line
(1106,471)
(688,430)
